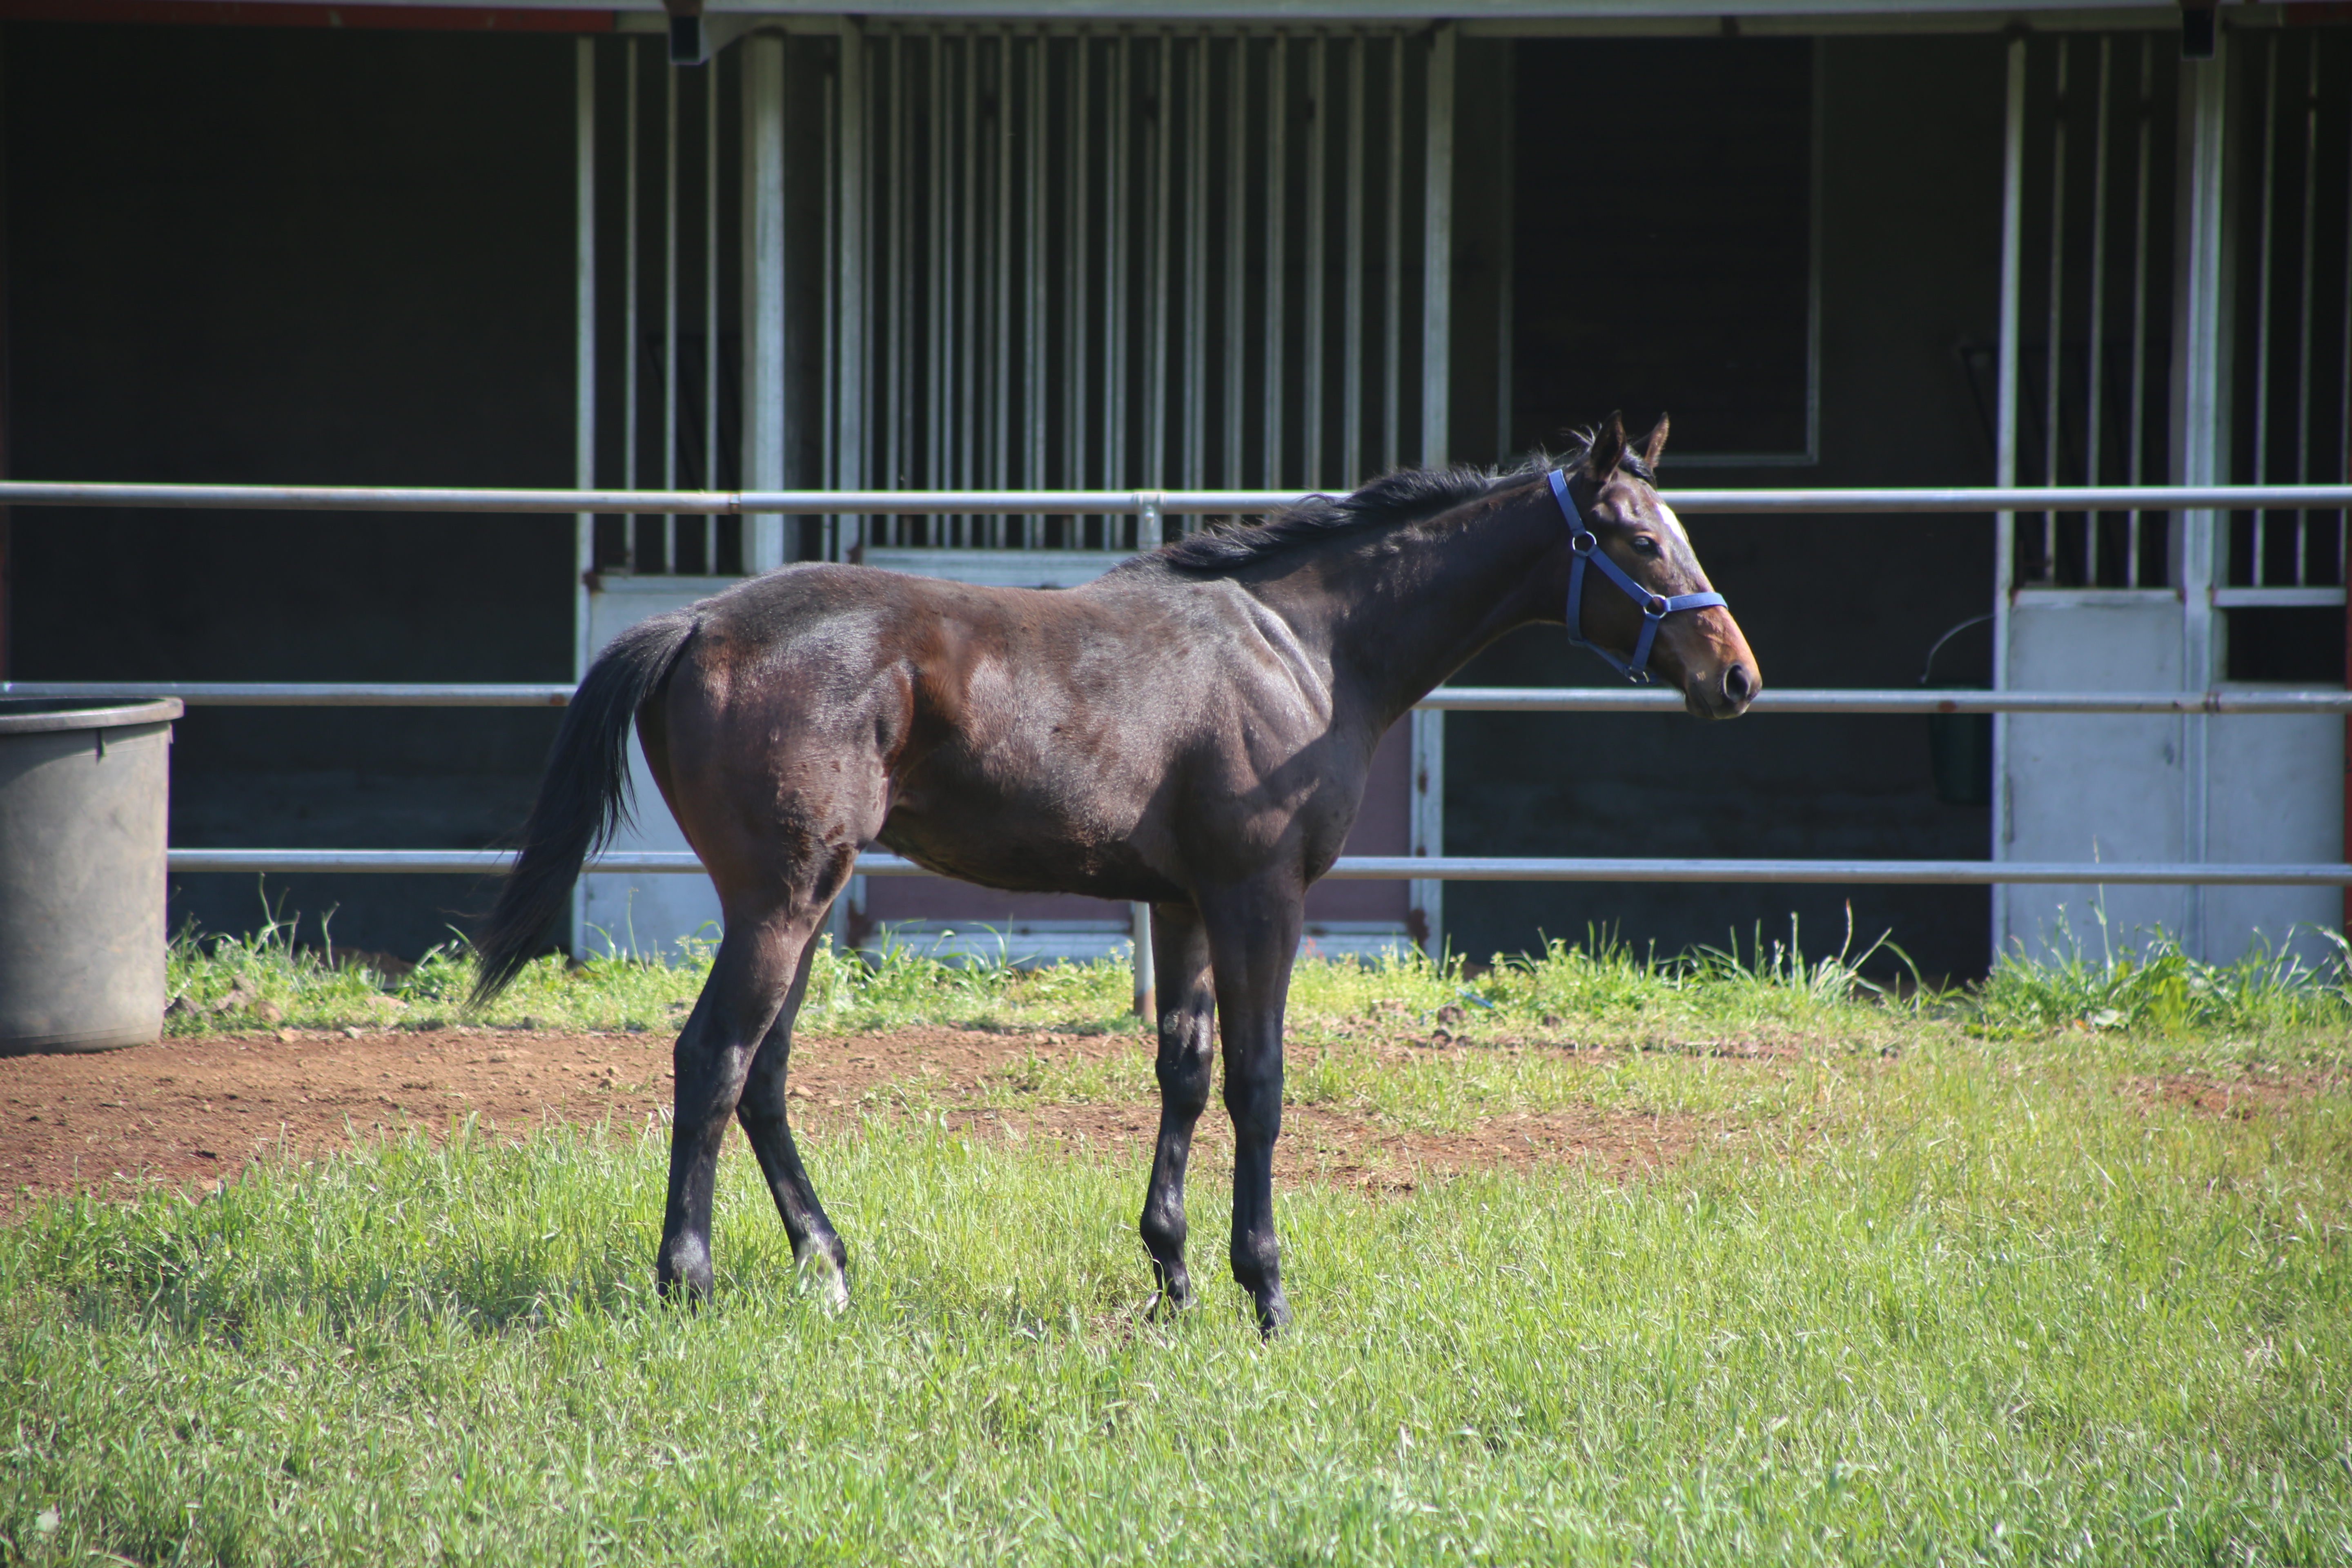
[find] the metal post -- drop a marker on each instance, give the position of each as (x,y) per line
(2303,335)
(2198,441)
(850,263)
(629,351)
(1156,285)
(2135,462)
(669,316)
(1074,329)
(1425,897)
(1278,229)
(937,338)
(1118,96)
(894,436)
(999,413)
(2055,356)
(584,380)
(1311,435)
(2257,567)
(1437,257)
(1194,409)
(1138,925)
(1393,263)
(2093,410)
(764,291)
(828,461)
(969,356)
(710,308)
(1237,238)
(1033,264)
(1506,266)
(2004,462)
(1351,316)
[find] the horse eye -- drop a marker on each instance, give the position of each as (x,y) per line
(1645,544)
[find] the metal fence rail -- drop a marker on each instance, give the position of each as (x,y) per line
(1445,698)
(824,503)
(1376,868)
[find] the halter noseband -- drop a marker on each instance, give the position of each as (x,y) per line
(1584,545)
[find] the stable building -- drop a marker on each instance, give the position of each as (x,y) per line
(949,246)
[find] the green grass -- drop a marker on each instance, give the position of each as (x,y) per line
(1987,1299)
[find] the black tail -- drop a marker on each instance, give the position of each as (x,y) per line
(582,797)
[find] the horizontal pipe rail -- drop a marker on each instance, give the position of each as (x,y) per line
(817,503)
(1382,868)
(1449,699)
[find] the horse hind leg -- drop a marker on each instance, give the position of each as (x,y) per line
(1179,952)
(764,1113)
(730,1061)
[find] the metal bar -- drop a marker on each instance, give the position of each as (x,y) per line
(1000,413)
(938,343)
(1191,503)
(969,354)
(1437,259)
(669,316)
(2344,425)
(2201,402)
(1118,95)
(1392,264)
(2258,566)
(1074,331)
(1278,229)
(1039,360)
(1193,410)
(1311,434)
(1138,926)
(710,308)
(1507,268)
(583,345)
(629,310)
(2135,464)
(894,447)
(856,220)
(2004,463)
(2303,335)
(828,442)
(2093,405)
(1369,868)
(2056,357)
(1351,316)
(1444,699)
(764,407)
(1156,284)
(1236,236)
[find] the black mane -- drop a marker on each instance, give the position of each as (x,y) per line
(1406,495)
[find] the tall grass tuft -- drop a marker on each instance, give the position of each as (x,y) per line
(2153,985)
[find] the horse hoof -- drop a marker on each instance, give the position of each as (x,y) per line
(1273,1314)
(825,1278)
(1165,1305)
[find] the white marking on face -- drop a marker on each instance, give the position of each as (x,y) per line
(1666,515)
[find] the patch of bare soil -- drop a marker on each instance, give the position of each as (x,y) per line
(202,1109)
(2239,1098)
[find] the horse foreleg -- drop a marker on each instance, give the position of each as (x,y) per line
(1253,942)
(764,1113)
(1179,952)
(757,960)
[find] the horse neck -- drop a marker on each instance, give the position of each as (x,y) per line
(1398,617)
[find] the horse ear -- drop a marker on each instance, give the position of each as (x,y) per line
(1608,448)
(1653,445)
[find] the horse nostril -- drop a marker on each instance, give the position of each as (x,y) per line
(1737,684)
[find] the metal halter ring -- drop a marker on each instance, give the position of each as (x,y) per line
(1584,546)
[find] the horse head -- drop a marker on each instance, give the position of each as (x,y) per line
(1645,559)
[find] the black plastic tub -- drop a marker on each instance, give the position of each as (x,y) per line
(84,789)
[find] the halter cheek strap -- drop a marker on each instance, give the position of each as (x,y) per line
(1585,546)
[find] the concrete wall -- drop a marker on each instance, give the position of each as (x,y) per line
(255,254)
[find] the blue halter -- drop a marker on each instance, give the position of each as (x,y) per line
(1585,545)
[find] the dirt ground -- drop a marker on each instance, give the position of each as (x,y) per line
(199,1109)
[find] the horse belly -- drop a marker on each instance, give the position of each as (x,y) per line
(1047,824)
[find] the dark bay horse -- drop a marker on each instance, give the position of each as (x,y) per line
(1192,730)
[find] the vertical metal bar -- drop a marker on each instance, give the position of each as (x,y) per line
(828,455)
(1437,267)
(935,347)
(2302,319)
(1000,457)
(764,291)
(1138,927)
(1351,316)
(1118,100)
(1074,332)
(1424,896)
(1196,271)
(584,386)
(1034,265)
(629,306)
(2004,462)
(971,355)
(894,471)
(2202,456)
(2093,411)
(2053,439)
(670,317)
(1311,435)
(1506,262)
(857,302)
(1392,260)
(1155,366)
(1278,229)
(1237,238)
(2135,471)
(2263,300)
(710,308)
(2343,464)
